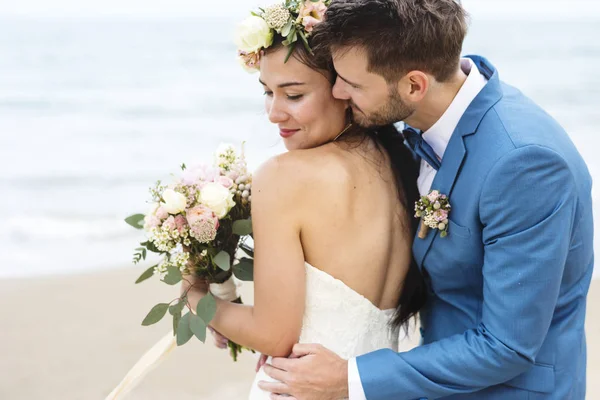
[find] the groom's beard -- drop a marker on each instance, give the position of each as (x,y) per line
(393,111)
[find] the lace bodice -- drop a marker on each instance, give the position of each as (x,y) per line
(343,320)
(340,319)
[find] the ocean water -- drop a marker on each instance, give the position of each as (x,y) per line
(94,110)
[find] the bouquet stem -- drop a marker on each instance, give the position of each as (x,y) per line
(228,291)
(235,349)
(423,230)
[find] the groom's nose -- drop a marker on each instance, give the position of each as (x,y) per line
(339,90)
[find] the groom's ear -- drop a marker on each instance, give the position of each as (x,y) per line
(413,86)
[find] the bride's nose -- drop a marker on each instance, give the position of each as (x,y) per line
(276,111)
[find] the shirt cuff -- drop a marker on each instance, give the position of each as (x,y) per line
(355,387)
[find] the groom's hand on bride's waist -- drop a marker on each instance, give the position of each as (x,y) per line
(311,373)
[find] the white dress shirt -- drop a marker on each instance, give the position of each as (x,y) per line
(437,137)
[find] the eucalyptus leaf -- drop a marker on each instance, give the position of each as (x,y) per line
(290,36)
(223,260)
(177,308)
(242,227)
(156,314)
(198,327)
(290,52)
(146,275)
(287,28)
(244,270)
(184,333)
(207,308)
(173,276)
(136,220)
(305,41)
(151,247)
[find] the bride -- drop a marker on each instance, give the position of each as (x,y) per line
(332,223)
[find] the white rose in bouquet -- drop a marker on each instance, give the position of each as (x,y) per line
(175,202)
(218,198)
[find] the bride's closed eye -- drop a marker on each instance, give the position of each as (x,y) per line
(290,97)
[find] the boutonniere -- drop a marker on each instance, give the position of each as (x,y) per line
(433,210)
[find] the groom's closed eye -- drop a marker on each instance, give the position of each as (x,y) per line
(354,85)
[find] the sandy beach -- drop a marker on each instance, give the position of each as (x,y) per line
(74,337)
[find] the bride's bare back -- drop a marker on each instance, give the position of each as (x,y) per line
(355,227)
(352,223)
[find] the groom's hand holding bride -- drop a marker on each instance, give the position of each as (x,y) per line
(311,373)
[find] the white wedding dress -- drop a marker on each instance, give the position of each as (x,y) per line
(340,319)
(335,316)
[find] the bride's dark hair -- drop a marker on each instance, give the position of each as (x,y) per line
(406,171)
(404,167)
(317,61)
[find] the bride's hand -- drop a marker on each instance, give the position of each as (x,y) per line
(193,289)
(191,283)
(220,340)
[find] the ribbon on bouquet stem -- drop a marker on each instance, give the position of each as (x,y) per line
(227,291)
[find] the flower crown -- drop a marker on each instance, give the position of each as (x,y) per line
(292,20)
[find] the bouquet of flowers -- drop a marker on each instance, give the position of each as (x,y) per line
(197,224)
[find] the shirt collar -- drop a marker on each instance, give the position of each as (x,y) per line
(440,133)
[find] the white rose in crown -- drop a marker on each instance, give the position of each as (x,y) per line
(218,198)
(253,34)
(175,202)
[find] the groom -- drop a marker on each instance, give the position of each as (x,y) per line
(508,285)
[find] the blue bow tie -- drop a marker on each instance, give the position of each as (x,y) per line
(421,147)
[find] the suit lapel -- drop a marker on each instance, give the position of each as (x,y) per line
(443,182)
(456,151)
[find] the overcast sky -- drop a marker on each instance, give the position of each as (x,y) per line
(518,9)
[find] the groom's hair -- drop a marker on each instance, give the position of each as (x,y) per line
(398,35)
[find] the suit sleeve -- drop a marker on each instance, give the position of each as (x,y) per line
(527,210)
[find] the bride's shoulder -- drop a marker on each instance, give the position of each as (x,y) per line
(297,168)
(298,174)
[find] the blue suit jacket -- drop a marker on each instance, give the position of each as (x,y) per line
(508,285)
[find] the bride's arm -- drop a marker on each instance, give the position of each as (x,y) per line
(272,326)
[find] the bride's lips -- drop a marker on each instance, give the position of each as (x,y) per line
(286,133)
